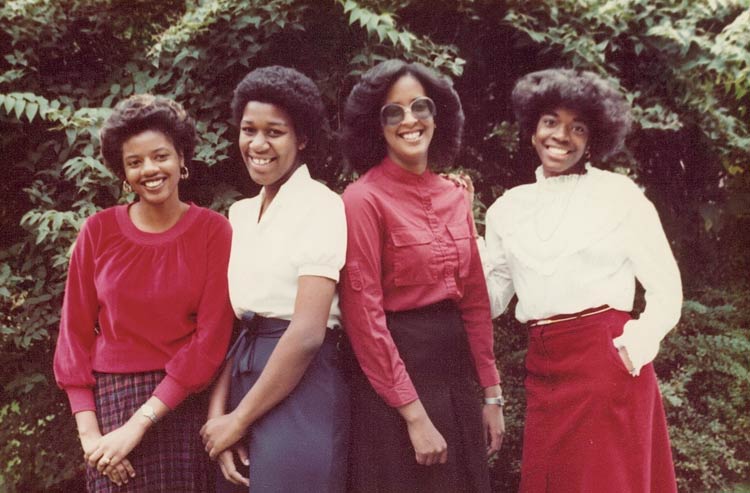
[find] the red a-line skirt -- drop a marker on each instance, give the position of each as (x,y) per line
(590,425)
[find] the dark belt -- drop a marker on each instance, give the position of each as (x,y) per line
(569,316)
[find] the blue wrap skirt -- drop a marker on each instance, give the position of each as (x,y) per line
(301,444)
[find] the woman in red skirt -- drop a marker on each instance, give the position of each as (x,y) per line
(570,246)
(146,319)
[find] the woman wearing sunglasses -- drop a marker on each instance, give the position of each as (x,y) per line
(570,246)
(414,300)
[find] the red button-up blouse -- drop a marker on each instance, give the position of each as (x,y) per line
(410,244)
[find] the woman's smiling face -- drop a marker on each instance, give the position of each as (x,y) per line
(152,167)
(409,140)
(269,144)
(560,140)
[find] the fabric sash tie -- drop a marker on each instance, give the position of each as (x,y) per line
(253,327)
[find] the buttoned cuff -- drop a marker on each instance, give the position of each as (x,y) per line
(399,395)
(488,376)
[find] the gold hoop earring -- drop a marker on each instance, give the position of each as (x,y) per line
(184,173)
(126,187)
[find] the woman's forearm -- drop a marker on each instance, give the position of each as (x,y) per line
(294,351)
(285,368)
(220,392)
(86,423)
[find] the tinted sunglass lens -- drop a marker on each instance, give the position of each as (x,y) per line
(423,108)
(392,114)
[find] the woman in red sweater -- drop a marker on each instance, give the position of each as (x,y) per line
(413,295)
(146,318)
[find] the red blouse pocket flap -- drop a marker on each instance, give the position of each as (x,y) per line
(459,231)
(406,237)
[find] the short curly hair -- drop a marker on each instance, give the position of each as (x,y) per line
(290,90)
(142,112)
(362,139)
(601,105)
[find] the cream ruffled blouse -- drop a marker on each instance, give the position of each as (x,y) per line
(572,242)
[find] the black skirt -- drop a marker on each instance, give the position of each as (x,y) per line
(432,343)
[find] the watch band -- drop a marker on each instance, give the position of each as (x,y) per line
(149,412)
(498,401)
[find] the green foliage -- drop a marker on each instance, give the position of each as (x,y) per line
(684,66)
(705,372)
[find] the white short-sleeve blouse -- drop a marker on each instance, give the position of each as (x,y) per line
(302,233)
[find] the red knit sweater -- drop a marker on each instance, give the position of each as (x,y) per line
(137,301)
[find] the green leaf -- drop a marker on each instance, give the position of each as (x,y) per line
(9,103)
(349,5)
(18,108)
(405,40)
(71,134)
(31,111)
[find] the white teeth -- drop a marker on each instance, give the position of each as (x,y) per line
(411,136)
(153,183)
(260,161)
(558,151)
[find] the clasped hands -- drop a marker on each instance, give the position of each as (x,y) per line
(108,453)
(221,435)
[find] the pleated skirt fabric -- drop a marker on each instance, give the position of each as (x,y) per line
(171,457)
(591,426)
(432,343)
(301,444)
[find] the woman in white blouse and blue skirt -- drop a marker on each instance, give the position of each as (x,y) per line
(570,246)
(289,402)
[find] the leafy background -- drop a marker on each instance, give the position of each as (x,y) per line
(684,65)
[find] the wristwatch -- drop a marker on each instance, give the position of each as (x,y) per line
(498,401)
(149,412)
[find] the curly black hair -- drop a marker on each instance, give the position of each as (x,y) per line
(362,139)
(601,105)
(290,90)
(142,112)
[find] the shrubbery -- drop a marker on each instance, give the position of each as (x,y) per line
(683,65)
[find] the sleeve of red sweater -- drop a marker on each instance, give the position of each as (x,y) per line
(475,312)
(361,298)
(193,367)
(72,361)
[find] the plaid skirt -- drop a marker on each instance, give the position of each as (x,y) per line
(171,457)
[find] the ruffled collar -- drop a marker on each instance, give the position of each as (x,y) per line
(559,180)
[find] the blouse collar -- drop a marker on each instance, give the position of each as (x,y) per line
(558,179)
(300,176)
(399,174)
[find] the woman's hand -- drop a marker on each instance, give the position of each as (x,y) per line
(115,446)
(493,423)
(625,357)
(228,467)
(220,433)
(429,445)
(120,473)
(89,442)
(462,180)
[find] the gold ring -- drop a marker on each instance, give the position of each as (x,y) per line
(106,460)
